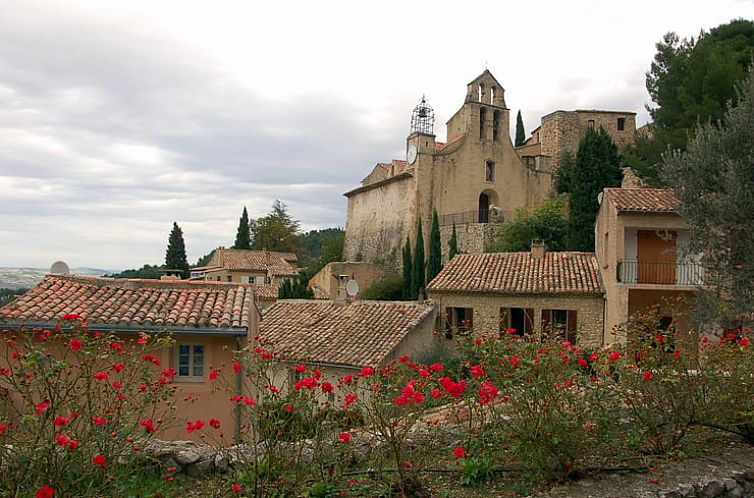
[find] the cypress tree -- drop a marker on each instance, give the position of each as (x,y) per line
(243,235)
(453,244)
(520,132)
(408,272)
(418,282)
(434,264)
(175,256)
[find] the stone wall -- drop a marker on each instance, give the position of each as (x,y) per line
(487,311)
(472,237)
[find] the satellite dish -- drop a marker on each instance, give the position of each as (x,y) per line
(60,268)
(599,197)
(352,288)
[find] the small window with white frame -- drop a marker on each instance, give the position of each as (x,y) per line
(190,361)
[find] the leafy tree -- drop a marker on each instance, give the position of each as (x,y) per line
(690,82)
(276,231)
(390,288)
(434,263)
(314,242)
(597,166)
(146,271)
(243,235)
(546,221)
(204,260)
(296,288)
(408,272)
(175,256)
(714,180)
(520,131)
(453,243)
(418,281)
(564,173)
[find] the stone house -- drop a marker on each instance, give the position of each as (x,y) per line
(340,338)
(640,244)
(474,179)
(247,266)
(535,293)
(330,281)
(209,321)
(561,131)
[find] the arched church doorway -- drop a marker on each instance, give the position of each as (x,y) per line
(487,199)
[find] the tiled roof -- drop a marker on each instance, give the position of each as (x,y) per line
(134,303)
(243,259)
(265,291)
(362,333)
(642,200)
(521,273)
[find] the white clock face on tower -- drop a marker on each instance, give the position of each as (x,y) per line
(411,154)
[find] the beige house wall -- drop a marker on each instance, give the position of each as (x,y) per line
(224,275)
(487,311)
(365,275)
(610,248)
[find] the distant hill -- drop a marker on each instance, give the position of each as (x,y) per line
(19,278)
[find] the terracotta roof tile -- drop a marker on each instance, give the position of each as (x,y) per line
(521,273)
(134,303)
(642,200)
(362,333)
(242,259)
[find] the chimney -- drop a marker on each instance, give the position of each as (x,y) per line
(537,248)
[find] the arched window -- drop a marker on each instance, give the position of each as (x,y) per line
(495,125)
(492,95)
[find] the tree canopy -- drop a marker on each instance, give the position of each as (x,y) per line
(547,221)
(690,82)
(175,255)
(596,166)
(714,180)
(243,235)
(277,231)
(520,131)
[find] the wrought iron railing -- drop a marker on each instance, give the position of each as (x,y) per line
(476,216)
(631,271)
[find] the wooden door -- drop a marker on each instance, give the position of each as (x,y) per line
(655,257)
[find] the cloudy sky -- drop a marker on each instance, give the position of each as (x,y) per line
(119,117)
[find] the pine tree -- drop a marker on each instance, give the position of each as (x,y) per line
(714,182)
(520,132)
(434,264)
(243,235)
(175,256)
(453,244)
(408,272)
(597,166)
(418,282)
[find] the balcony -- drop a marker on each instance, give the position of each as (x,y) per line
(631,271)
(494,215)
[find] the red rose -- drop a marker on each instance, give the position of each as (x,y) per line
(345,437)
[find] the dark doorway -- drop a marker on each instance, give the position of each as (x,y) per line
(484,208)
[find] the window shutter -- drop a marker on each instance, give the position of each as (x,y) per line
(529,321)
(572,325)
(448,318)
(504,313)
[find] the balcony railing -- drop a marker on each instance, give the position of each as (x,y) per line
(476,216)
(664,273)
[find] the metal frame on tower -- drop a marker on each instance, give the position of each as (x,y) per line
(423,118)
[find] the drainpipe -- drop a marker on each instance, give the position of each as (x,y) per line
(238,391)
(604,318)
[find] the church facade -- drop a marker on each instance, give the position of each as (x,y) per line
(473,180)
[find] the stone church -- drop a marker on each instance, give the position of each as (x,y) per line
(475,178)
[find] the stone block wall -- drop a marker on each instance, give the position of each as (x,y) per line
(472,237)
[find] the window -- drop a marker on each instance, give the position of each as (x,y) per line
(495,125)
(258,280)
(621,124)
(482,119)
(460,320)
(489,171)
(590,124)
(229,278)
(561,323)
(190,361)
(520,319)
